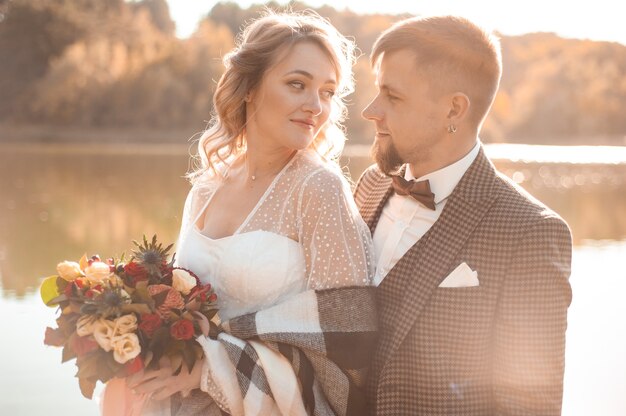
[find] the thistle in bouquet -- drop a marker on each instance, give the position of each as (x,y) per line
(118,317)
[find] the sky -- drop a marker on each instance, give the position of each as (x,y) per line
(595,20)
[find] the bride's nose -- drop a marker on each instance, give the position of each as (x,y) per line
(313,104)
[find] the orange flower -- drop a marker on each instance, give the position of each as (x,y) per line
(166,298)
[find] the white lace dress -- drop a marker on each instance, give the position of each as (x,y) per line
(304,233)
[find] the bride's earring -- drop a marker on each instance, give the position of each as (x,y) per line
(451,129)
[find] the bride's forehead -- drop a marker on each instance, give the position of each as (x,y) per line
(308,57)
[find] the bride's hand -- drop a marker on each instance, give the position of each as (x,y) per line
(161,384)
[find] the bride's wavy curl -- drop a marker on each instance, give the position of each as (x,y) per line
(261,45)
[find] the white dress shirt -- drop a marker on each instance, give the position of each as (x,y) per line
(404,220)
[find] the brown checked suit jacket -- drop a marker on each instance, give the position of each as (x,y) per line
(493,349)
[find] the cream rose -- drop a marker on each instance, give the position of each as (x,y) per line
(69,270)
(125,324)
(97,272)
(85,325)
(103,332)
(183,281)
(125,347)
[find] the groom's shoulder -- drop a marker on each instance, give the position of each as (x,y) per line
(368,179)
(519,206)
(373,171)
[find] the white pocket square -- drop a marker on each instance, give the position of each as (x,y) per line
(462,276)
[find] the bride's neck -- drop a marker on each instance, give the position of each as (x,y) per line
(264,163)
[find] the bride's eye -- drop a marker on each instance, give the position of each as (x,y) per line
(297,84)
(328,94)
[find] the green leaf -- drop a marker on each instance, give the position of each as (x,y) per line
(141,294)
(89,366)
(54,337)
(189,356)
(148,359)
(109,368)
(55,301)
(49,290)
(159,298)
(159,343)
(203,323)
(176,361)
(87,387)
(68,353)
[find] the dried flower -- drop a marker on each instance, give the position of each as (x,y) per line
(152,256)
(85,325)
(183,281)
(103,332)
(171,300)
(125,324)
(125,347)
(69,270)
(97,272)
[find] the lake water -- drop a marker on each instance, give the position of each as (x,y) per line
(57,203)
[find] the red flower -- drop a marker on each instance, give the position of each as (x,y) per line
(67,291)
(201,292)
(54,337)
(135,272)
(83,345)
(69,288)
(182,329)
(150,322)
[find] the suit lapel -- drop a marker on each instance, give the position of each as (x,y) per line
(420,271)
(379,192)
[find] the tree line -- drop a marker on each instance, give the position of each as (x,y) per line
(100,64)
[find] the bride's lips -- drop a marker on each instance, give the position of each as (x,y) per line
(304,122)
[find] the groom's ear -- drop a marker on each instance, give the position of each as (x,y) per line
(459,107)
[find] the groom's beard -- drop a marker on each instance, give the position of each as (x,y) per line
(386,157)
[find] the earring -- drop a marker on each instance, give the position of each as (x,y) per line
(451,129)
(247,98)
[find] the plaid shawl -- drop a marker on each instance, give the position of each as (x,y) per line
(306,355)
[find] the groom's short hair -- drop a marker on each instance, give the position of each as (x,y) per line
(456,55)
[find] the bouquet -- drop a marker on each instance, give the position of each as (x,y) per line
(119,317)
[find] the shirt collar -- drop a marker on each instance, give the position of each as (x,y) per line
(443,181)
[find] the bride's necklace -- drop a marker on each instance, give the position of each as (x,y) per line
(273,172)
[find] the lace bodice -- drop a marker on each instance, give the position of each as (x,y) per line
(249,271)
(305,232)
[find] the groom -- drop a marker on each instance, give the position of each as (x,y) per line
(472,271)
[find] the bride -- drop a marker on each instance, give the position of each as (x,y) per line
(271,224)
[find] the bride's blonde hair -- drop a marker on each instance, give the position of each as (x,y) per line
(257,50)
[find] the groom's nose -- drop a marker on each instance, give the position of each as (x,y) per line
(372,111)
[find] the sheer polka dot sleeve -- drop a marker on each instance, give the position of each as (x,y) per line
(336,241)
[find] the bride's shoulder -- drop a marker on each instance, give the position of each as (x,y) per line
(318,176)
(204,184)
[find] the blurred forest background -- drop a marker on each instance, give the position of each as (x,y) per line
(114,70)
